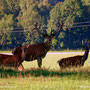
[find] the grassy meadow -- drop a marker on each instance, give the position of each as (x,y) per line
(50,77)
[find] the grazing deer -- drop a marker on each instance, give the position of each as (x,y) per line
(75,61)
(13,60)
(39,50)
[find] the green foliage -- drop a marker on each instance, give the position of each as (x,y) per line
(24,14)
(6,25)
(86,2)
(9,12)
(55,14)
(70,12)
(11,7)
(28,15)
(32,12)
(1,9)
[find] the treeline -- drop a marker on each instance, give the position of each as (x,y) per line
(21,15)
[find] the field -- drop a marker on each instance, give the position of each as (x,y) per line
(50,77)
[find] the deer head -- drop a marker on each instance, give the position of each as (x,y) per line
(19,50)
(49,37)
(85,45)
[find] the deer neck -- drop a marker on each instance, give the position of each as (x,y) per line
(86,55)
(23,55)
(48,44)
(19,56)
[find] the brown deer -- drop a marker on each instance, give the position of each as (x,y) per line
(13,60)
(39,50)
(75,61)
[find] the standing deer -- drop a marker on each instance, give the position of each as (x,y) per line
(13,60)
(75,61)
(39,50)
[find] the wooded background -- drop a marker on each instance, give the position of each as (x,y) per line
(17,18)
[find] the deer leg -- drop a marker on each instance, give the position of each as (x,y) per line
(82,64)
(62,68)
(14,68)
(39,61)
(20,68)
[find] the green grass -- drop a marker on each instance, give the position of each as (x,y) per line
(50,77)
(43,83)
(5,73)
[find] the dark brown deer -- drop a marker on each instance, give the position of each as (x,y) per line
(75,61)
(13,60)
(39,50)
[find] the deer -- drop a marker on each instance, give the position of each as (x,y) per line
(75,61)
(13,60)
(39,50)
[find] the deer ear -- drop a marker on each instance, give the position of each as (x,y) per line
(25,48)
(13,51)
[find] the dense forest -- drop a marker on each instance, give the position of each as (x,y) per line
(17,19)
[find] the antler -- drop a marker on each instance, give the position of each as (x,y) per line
(59,27)
(39,30)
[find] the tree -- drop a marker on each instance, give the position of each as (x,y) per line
(9,10)
(32,12)
(6,25)
(1,9)
(69,12)
(11,7)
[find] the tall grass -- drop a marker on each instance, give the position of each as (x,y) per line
(44,72)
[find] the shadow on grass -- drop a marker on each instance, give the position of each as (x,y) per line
(5,73)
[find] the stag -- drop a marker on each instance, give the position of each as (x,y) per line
(38,51)
(13,60)
(74,61)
